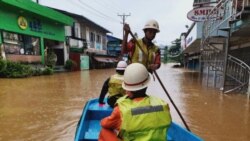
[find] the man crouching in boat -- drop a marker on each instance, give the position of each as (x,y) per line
(113,85)
(137,116)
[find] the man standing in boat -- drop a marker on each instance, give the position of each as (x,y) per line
(143,50)
(137,115)
(113,85)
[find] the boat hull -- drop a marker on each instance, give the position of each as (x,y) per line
(89,127)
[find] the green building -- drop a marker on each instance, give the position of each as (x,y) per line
(28,31)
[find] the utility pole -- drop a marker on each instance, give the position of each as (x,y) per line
(123,20)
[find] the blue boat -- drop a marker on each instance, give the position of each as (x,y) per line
(89,124)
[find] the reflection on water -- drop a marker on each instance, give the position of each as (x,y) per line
(48,107)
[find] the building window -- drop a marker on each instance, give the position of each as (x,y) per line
(92,37)
(76,31)
(104,42)
(98,38)
(19,44)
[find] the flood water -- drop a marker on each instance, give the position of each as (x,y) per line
(47,108)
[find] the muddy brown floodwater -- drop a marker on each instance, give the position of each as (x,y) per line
(47,108)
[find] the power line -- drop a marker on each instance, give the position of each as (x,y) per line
(85,9)
(107,6)
(100,13)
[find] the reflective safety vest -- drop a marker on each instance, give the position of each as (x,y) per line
(115,85)
(146,59)
(145,120)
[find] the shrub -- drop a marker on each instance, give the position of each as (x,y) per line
(51,59)
(3,65)
(37,72)
(48,71)
(70,65)
(16,70)
(10,69)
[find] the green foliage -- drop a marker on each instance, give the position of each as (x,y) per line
(165,59)
(175,48)
(37,72)
(16,70)
(48,71)
(3,65)
(173,53)
(70,65)
(10,69)
(51,59)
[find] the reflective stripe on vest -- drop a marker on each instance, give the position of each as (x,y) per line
(143,120)
(139,57)
(115,85)
(146,109)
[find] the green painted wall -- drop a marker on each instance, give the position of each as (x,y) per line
(37,25)
(0,38)
(84,62)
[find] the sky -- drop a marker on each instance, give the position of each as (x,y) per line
(170,14)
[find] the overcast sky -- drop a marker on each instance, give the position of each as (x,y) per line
(170,14)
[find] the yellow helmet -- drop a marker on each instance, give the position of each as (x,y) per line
(136,77)
(152,24)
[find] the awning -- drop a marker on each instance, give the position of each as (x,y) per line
(33,7)
(105,59)
(193,47)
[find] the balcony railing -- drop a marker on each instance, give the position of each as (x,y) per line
(221,14)
(204,2)
(235,71)
(239,72)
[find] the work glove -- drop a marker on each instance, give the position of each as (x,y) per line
(126,28)
(153,67)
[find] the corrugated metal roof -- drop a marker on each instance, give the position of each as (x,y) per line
(112,38)
(83,18)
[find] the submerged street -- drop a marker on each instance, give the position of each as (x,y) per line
(47,108)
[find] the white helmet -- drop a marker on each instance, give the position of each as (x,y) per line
(152,24)
(121,65)
(136,77)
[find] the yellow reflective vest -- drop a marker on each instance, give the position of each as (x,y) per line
(146,59)
(115,85)
(145,120)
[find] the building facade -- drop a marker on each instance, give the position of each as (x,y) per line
(29,31)
(219,42)
(88,40)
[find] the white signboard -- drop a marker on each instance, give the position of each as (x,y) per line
(199,14)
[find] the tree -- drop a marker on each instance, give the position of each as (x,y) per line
(165,59)
(175,53)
